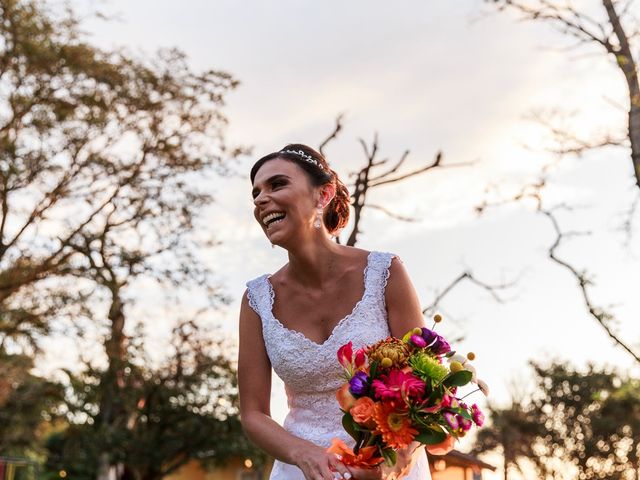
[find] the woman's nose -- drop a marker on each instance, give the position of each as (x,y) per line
(260,199)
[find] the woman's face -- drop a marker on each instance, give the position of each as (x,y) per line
(284,199)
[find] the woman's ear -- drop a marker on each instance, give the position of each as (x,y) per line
(327,192)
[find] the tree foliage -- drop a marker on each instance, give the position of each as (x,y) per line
(587,420)
(185,408)
(27,404)
(104,159)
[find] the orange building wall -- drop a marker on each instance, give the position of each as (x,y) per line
(233,470)
(453,473)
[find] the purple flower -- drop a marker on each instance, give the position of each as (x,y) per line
(451,419)
(478,416)
(418,341)
(429,335)
(358,383)
(440,346)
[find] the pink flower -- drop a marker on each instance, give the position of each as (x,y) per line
(477,415)
(452,420)
(465,423)
(397,384)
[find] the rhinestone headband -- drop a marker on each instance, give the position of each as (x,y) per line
(306,157)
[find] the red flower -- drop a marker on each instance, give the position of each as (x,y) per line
(345,355)
(360,358)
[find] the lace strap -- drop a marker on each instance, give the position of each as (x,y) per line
(259,296)
(378,273)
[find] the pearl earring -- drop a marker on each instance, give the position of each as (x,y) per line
(318,222)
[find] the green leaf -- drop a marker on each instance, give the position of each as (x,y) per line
(465,414)
(430,437)
(373,369)
(349,424)
(390,456)
(458,379)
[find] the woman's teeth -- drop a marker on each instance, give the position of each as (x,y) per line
(274,222)
(272,218)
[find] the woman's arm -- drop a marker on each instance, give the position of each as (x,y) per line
(254,384)
(403,305)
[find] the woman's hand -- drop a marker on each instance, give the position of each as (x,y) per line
(317,464)
(405,460)
(375,473)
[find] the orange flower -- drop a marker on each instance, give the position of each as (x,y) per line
(364,459)
(394,426)
(345,399)
(443,447)
(362,411)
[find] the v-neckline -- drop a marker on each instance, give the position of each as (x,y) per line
(298,333)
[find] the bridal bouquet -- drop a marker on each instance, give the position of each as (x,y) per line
(400,391)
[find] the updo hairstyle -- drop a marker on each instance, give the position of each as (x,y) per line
(336,214)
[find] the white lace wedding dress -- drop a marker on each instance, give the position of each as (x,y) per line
(310,371)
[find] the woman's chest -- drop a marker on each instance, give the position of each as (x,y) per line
(317,314)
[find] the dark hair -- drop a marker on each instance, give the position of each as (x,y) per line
(336,214)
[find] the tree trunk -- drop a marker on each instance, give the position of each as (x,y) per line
(626,63)
(112,410)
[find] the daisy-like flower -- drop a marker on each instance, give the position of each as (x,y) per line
(397,384)
(395,427)
(452,420)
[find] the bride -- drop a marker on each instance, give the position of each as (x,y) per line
(295,320)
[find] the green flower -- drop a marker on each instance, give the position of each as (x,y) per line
(427,367)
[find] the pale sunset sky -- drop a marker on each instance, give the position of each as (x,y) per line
(427,76)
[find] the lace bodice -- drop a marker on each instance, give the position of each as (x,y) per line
(310,371)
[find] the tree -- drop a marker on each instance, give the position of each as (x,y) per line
(368,177)
(93,141)
(588,420)
(27,403)
(616,35)
(184,409)
(513,432)
(102,163)
(592,420)
(612,36)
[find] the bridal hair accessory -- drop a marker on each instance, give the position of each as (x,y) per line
(305,156)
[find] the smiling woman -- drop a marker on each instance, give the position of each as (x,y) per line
(296,319)
(303,160)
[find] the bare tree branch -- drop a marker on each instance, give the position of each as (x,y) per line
(534,191)
(392,214)
(333,135)
(609,34)
(467,275)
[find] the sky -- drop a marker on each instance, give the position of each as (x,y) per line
(454,77)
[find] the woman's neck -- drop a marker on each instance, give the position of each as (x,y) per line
(313,264)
